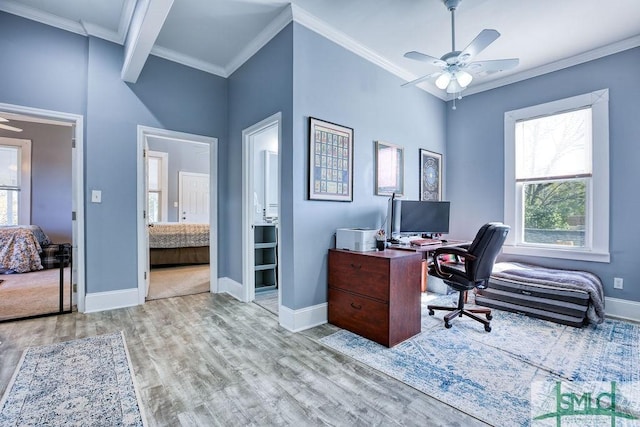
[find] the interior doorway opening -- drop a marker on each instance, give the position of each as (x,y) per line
(261,213)
(41,205)
(177,228)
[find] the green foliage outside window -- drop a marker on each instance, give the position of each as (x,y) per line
(553,207)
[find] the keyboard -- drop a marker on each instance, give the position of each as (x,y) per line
(425,242)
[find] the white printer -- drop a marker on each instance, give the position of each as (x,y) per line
(356,239)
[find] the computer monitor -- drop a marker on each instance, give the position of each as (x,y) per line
(419,217)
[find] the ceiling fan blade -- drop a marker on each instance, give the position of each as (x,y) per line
(482,40)
(425,58)
(421,79)
(493,66)
(7,127)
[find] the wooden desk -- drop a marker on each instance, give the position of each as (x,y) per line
(375,294)
(426,251)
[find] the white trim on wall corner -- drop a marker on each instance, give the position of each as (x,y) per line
(101,301)
(622,308)
(231,287)
(304,318)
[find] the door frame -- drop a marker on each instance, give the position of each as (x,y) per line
(143,253)
(248,240)
(76,122)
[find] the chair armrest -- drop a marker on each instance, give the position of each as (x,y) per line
(457,251)
(453,250)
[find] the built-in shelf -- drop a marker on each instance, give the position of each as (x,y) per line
(266,256)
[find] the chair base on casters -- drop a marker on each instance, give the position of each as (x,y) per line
(459,311)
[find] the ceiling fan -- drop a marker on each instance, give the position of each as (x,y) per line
(7,127)
(456,69)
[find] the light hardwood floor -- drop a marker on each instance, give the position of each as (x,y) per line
(206,360)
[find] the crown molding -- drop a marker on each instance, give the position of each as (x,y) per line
(101,32)
(591,55)
(270,31)
(125,20)
(319,26)
(83,28)
(15,8)
(189,61)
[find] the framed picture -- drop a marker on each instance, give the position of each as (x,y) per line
(330,161)
(389,169)
(430,175)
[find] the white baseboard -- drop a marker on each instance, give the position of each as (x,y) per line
(622,308)
(231,287)
(304,318)
(101,301)
(292,320)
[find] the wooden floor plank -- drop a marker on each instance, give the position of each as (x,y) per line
(210,360)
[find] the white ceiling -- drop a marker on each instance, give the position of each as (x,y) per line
(217,36)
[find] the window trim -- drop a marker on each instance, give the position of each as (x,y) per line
(24,185)
(597,227)
(164,183)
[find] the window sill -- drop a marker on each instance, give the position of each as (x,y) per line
(576,255)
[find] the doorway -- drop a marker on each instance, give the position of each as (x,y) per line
(177,225)
(49,153)
(261,213)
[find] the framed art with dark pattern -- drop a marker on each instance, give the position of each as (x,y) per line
(430,175)
(330,161)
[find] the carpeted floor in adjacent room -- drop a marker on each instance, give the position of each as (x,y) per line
(33,293)
(167,282)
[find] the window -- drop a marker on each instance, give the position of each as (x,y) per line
(157,194)
(15,181)
(557,179)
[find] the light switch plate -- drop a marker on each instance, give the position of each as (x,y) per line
(96,196)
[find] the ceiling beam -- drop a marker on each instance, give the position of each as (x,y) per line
(146,23)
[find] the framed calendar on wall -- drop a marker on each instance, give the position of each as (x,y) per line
(330,161)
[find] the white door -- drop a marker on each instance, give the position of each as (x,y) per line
(147,274)
(194,197)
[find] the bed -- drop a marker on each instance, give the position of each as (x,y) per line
(568,297)
(172,243)
(20,248)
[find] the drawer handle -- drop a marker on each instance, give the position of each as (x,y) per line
(526,292)
(356,306)
(358,267)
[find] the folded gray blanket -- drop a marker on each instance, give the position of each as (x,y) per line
(566,279)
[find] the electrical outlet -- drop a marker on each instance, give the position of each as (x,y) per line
(617,283)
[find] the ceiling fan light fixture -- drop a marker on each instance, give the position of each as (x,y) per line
(443,80)
(463,78)
(454,86)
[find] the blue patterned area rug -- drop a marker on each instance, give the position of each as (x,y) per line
(75,383)
(513,374)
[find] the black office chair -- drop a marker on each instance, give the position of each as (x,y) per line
(475,262)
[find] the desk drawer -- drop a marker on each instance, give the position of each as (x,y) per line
(361,274)
(360,315)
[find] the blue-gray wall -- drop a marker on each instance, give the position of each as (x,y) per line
(56,70)
(333,84)
(261,87)
(183,157)
(51,176)
(167,95)
(42,66)
(475,147)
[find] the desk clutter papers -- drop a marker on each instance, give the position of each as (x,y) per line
(425,242)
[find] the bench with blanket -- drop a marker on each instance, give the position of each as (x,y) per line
(568,297)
